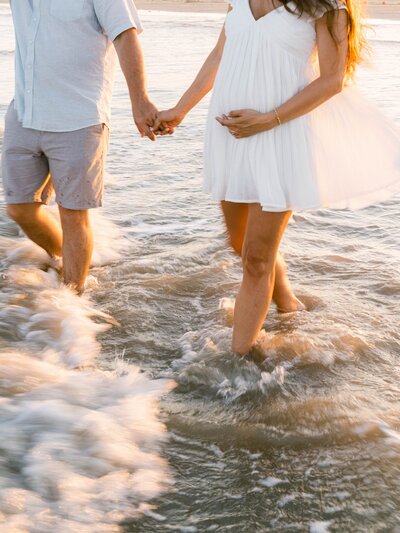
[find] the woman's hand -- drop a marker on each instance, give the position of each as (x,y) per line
(247,122)
(167,121)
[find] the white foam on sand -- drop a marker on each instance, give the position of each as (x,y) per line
(79,449)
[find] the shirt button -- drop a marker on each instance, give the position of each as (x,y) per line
(28,66)
(28,91)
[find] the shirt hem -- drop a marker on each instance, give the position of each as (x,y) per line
(53,129)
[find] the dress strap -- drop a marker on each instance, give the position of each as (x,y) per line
(336,5)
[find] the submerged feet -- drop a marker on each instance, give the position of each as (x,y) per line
(289,304)
(283,296)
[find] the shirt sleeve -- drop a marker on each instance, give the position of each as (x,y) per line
(117,16)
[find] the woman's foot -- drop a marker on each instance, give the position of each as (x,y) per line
(289,303)
(283,296)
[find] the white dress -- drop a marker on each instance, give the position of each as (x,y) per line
(345,154)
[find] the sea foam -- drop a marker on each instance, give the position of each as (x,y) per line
(80,446)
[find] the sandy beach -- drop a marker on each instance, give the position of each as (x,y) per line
(388,9)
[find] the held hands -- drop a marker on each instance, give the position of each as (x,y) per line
(167,121)
(247,122)
(150,122)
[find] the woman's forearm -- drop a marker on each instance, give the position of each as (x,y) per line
(202,85)
(170,119)
(204,80)
(312,96)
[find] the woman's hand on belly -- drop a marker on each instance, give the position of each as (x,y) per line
(247,122)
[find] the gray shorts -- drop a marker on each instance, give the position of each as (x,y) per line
(35,163)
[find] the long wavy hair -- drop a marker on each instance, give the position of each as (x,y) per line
(357,41)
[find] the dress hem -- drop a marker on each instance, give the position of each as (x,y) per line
(354,203)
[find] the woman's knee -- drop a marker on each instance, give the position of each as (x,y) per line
(258,264)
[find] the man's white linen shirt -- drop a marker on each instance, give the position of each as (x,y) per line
(65,60)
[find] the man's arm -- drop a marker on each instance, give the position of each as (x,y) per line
(131,60)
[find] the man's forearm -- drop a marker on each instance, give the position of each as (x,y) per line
(130,56)
(131,60)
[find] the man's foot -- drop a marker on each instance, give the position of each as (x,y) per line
(57,264)
(290,304)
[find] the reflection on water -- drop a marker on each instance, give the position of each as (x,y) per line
(306,440)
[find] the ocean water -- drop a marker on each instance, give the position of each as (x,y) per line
(164,429)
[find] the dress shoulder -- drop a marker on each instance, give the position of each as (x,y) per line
(334,5)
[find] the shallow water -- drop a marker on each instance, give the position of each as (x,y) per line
(309,440)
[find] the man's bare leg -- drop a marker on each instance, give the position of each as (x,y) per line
(38,225)
(77,246)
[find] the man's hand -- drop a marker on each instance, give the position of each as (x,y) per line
(167,121)
(145,116)
(247,122)
(131,60)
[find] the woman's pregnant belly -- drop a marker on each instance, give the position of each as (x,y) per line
(260,81)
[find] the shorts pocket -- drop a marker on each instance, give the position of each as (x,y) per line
(67,10)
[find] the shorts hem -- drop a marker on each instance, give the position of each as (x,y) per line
(79,208)
(14,200)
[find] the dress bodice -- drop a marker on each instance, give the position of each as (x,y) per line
(292,33)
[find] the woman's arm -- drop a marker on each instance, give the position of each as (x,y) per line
(201,86)
(332,61)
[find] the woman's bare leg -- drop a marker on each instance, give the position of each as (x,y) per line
(284,297)
(236,216)
(260,248)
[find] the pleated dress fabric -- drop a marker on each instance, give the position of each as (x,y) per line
(345,154)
